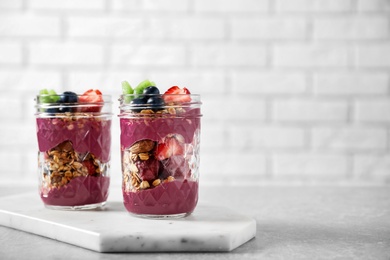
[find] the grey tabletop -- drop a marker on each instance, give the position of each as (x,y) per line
(292,223)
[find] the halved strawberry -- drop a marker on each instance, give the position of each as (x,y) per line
(177,95)
(91,96)
(170,146)
(90,167)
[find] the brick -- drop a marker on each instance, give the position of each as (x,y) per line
(13,104)
(307,164)
(223,6)
(351,27)
(29,25)
(310,110)
(166,6)
(10,53)
(108,27)
(274,83)
(374,5)
(204,82)
(18,134)
(269,28)
(214,179)
(21,80)
(231,163)
(372,167)
(311,55)
(375,110)
(229,55)
(125,5)
(150,5)
(349,138)
(148,54)
(213,137)
(187,28)
(109,81)
(11,4)
(374,55)
(251,137)
(351,83)
(314,5)
(235,109)
(48,53)
(60,5)
(105,80)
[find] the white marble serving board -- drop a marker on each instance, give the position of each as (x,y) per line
(113,229)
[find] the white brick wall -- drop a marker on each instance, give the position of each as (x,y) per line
(294,91)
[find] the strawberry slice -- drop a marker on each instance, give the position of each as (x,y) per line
(170,146)
(91,96)
(177,95)
(90,167)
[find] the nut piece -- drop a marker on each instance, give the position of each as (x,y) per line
(144,156)
(156,182)
(170,179)
(142,146)
(63,164)
(147,111)
(144,185)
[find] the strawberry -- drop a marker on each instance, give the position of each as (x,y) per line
(90,167)
(177,95)
(91,96)
(170,146)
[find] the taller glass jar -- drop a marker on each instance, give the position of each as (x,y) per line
(160,155)
(74,141)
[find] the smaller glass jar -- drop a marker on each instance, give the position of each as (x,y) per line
(160,155)
(74,141)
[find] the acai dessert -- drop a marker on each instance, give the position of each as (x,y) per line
(160,138)
(74,140)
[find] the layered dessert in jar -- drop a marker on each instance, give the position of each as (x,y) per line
(74,141)
(160,138)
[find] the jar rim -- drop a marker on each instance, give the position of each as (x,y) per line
(176,102)
(77,109)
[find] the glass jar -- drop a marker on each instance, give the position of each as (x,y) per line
(160,155)
(74,141)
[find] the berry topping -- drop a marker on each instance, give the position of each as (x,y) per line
(148,170)
(91,96)
(171,145)
(177,95)
(151,90)
(138,104)
(155,103)
(127,90)
(67,97)
(90,167)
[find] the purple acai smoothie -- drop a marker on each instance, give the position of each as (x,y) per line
(74,160)
(160,137)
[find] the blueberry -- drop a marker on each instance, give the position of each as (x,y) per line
(68,97)
(52,110)
(156,103)
(137,103)
(64,109)
(152,90)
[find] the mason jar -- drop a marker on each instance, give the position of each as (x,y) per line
(74,143)
(160,155)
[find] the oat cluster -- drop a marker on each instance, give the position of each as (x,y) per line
(63,164)
(133,157)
